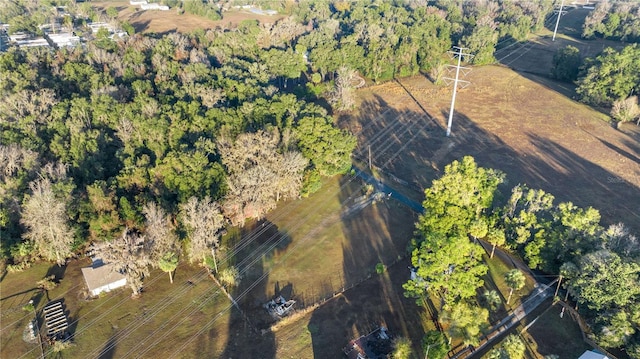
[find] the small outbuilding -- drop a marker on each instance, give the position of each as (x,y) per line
(101,277)
(592,355)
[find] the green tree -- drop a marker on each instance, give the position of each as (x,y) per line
(613,329)
(449,267)
(402,348)
(573,232)
(495,237)
(461,196)
(435,345)
(481,42)
(514,347)
(465,322)
(605,281)
(168,264)
(515,280)
(112,12)
(566,63)
(527,216)
(492,298)
(611,76)
(230,277)
(327,147)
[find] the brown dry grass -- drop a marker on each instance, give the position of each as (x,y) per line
(522,126)
(170,21)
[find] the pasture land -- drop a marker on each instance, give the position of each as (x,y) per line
(154,21)
(507,121)
(164,318)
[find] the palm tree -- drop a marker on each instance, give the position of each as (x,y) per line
(492,298)
(515,281)
(168,264)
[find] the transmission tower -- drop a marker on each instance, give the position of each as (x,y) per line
(560,13)
(459,53)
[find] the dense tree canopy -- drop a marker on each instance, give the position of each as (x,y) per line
(616,20)
(447,266)
(611,76)
(461,196)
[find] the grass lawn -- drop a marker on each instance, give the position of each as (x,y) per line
(494,280)
(551,334)
(114,323)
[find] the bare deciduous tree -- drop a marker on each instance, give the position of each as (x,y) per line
(128,256)
(160,238)
(288,170)
(44,216)
(618,238)
(626,110)
(343,97)
(260,174)
(13,158)
(203,221)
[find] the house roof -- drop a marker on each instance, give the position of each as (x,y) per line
(592,355)
(100,275)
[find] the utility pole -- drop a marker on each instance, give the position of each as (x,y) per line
(459,52)
(560,13)
(369,156)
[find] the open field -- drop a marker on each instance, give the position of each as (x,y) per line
(321,253)
(535,56)
(114,325)
(509,122)
(310,249)
(170,21)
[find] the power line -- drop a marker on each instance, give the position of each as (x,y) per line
(236,249)
(460,54)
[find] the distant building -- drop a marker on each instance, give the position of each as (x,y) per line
(64,39)
(154,6)
(101,277)
(25,40)
(95,26)
(592,355)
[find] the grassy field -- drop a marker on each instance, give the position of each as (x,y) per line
(170,21)
(521,123)
(551,334)
(320,254)
(510,122)
(114,324)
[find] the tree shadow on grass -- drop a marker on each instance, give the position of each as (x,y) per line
(249,326)
(418,156)
(110,346)
(552,167)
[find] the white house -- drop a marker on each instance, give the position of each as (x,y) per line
(154,6)
(64,39)
(592,355)
(102,277)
